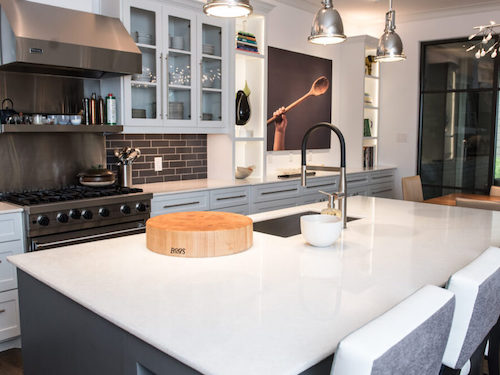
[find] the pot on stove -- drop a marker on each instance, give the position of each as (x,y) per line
(96,177)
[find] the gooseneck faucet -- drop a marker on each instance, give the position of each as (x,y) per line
(342,193)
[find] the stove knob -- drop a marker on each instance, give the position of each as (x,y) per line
(125,209)
(43,220)
(141,207)
(75,214)
(104,212)
(62,218)
(87,214)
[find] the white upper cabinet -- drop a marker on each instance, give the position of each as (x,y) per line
(183,86)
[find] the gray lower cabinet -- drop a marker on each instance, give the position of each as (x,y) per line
(11,242)
(273,196)
(179,202)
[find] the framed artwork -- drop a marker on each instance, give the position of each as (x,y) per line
(293,76)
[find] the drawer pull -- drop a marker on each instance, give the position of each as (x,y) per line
(382,191)
(236,197)
(318,186)
(379,177)
(181,204)
(278,191)
(2,311)
(361,180)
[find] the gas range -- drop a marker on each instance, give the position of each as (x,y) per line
(78,214)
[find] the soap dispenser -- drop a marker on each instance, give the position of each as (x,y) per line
(331,210)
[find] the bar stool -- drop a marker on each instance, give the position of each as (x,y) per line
(408,339)
(477,291)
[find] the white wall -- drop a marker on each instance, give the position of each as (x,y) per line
(399,119)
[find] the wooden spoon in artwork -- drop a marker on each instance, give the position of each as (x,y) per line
(319,87)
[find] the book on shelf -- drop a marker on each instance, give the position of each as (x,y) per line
(246,42)
(367,128)
(368,156)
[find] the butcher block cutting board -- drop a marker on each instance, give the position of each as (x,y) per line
(199,234)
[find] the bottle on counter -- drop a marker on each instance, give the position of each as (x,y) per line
(110,110)
(331,210)
(101,111)
(86,111)
(93,109)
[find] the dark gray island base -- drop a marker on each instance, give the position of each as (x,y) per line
(61,337)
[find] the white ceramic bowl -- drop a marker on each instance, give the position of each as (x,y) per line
(76,119)
(242,172)
(320,230)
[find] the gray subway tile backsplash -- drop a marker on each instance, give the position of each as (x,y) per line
(184,156)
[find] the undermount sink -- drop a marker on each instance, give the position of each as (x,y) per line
(286,226)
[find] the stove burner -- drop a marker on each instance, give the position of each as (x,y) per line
(70,193)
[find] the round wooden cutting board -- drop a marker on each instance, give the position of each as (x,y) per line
(199,234)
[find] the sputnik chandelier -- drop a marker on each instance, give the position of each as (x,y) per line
(486,33)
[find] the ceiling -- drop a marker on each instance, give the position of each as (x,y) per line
(406,9)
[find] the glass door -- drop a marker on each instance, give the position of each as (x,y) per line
(458,101)
(143,91)
(212,72)
(180,92)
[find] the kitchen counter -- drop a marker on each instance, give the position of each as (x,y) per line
(160,188)
(7,208)
(280,307)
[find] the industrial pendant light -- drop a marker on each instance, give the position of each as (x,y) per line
(327,27)
(228,8)
(390,46)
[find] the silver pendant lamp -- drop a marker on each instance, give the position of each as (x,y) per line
(228,8)
(327,27)
(390,46)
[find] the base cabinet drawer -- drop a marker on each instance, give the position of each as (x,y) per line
(274,191)
(361,190)
(382,190)
(11,227)
(231,197)
(9,315)
(8,279)
(242,210)
(381,177)
(327,184)
(179,203)
(356,180)
(273,205)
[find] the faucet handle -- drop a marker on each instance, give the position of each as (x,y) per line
(331,198)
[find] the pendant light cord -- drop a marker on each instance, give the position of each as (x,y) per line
(390,4)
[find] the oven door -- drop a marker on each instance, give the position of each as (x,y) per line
(85,235)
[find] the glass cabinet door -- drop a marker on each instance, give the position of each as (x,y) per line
(181,50)
(144,89)
(211,73)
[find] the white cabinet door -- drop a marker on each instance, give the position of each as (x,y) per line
(9,315)
(180,46)
(212,72)
(8,279)
(143,92)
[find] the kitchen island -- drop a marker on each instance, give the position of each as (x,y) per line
(281,307)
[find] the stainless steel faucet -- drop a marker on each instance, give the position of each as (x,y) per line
(342,193)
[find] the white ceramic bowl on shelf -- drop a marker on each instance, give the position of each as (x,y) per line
(242,172)
(320,230)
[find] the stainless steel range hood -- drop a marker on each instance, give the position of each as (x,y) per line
(38,38)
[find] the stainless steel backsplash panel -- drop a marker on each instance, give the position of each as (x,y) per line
(42,161)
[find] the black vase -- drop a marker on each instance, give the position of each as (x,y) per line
(242,108)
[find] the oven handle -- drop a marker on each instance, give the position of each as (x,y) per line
(36,246)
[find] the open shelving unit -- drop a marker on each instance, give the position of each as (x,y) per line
(251,69)
(371,109)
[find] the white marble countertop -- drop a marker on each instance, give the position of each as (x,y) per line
(160,188)
(7,208)
(281,306)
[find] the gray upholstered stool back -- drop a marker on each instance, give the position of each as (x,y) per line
(408,339)
(477,291)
